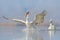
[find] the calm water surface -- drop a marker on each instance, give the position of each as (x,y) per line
(15,33)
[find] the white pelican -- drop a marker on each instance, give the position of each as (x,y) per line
(51,29)
(30,26)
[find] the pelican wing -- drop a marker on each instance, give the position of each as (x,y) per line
(16,20)
(39,18)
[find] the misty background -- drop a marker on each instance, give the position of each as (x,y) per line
(18,8)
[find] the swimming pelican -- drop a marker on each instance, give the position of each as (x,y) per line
(51,29)
(30,26)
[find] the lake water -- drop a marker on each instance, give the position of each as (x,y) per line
(15,33)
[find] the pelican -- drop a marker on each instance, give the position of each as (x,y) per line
(51,29)
(30,26)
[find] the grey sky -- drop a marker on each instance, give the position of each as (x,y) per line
(17,8)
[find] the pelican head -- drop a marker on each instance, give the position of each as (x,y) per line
(51,22)
(27,13)
(26,16)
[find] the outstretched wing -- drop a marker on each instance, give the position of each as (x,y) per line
(16,20)
(39,18)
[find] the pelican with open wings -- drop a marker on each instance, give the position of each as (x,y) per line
(30,26)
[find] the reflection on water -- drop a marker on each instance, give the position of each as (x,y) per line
(15,33)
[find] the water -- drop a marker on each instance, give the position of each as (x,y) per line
(15,33)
